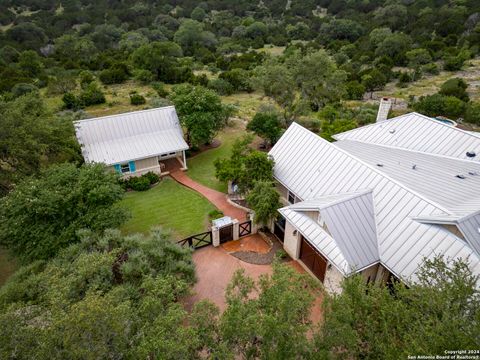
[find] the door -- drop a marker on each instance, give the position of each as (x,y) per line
(313,259)
(226,233)
(279,228)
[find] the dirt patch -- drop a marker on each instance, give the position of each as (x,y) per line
(257,258)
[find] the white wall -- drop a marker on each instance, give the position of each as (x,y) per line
(291,243)
(333,280)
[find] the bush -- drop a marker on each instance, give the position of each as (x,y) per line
(215,214)
(403,79)
(22,89)
(92,95)
(70,101)
(137,99)
(222,87)
(455,87)
(440,105)
(472,115)
(431,68)
(159,87)
(354,90)
(140,183)
(113,76)
(85,78)
(144,76)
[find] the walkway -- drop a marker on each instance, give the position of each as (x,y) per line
(217,198)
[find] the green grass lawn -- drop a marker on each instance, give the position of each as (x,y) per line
(169,205)
(7,266)
(201,168)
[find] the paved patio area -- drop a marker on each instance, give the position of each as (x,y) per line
(215,267)
(217,198)
(254,243)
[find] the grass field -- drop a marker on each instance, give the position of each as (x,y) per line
(201,168)
(169,205)
(7,266)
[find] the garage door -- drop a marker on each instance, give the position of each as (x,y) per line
(313,259)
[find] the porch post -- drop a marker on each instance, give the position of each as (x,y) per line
(184,160)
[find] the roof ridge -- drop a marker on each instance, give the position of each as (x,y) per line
(122,114)
(348,196)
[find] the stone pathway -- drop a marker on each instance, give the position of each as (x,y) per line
(217,198)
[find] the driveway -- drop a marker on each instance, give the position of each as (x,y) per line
(214,269)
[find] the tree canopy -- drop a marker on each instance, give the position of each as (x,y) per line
(43,215)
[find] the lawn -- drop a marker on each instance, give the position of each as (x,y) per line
(7,266)
(201,168)
(169,205)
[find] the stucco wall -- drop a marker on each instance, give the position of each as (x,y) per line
(333,280)
(291,243)
(283,191)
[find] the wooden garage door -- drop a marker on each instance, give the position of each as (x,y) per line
(313,260)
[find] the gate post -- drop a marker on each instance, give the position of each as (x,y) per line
(254,225)
(215,236)
(236,229)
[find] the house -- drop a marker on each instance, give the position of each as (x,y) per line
(380,199)
(133,143)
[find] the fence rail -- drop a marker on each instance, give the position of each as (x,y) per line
(245,228)
(197,241)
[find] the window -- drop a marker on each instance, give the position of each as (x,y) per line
(163,155)
(172,153)
(291,198)
(125,168)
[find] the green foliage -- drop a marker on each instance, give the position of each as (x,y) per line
(140,183)
(440,105)
(201,112)
(215,214)
(42,215)
(137,99)
(245,166)
(414,320)
(105,297)
(266,125)
(91,95)
(355,90)
(159,87)
(222,87)
(418,57)
(455,87)
(264,200)
(472,115)
(374,80)
(32,138)
(114,75)
(330,128)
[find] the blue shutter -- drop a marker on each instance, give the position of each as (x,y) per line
(131,165)
(117,168)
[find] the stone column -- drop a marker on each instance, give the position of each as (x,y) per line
(251,216)
(215,236)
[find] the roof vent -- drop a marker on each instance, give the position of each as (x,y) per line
(471,154)
(460,176)
(380,165)
(473,173)
(392,131)
(414,167)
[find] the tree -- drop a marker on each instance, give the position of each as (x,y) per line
(272,324)
(158,57)
(266,125)
(107,296)
(29,62)
(455,87)
(418,57)
(42,215)
(444,300)
(472,115)
(31,139)
(318,78)
(191,35)
(394,46)
(330,128)
(264,200)
(201,112)
(198,14)
(440,105)
(374,80)
(355,90)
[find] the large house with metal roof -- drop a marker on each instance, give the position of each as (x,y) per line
(133,143)
(380,199)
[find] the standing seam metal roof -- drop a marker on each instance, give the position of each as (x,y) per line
(130,136)
(311,167)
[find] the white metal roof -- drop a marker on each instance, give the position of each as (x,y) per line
(312,167)
(418,132)
(356,242)
(130,136)
(433,176)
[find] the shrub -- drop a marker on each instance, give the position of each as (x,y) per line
(472,115)
(354,90)
(139,183)
(92,95)
(222,87)
(70,101)
(144,76)
(137,99)
(215,214)
(455,87)
(152,177)
(159,87)
(85,78)
(403,79)
(431,68)
(113,76)
(22,89)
